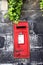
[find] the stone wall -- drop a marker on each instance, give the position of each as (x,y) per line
(30,9)
(31,13)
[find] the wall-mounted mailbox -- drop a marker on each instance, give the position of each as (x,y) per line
(21,40)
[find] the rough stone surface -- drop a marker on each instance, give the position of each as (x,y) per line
(31,13)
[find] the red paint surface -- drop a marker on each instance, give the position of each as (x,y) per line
(21,50)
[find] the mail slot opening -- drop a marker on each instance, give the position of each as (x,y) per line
(18,27)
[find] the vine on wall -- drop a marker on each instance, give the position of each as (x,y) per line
(14,10)
(41,5)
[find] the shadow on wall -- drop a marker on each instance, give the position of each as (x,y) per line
(38,25)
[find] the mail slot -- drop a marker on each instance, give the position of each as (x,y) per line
(21,40)
(19,27)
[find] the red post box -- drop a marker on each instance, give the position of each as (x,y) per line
(21,40)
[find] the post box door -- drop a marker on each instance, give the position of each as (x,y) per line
(21,43)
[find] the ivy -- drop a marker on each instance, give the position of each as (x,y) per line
(14,10)
(41,4)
